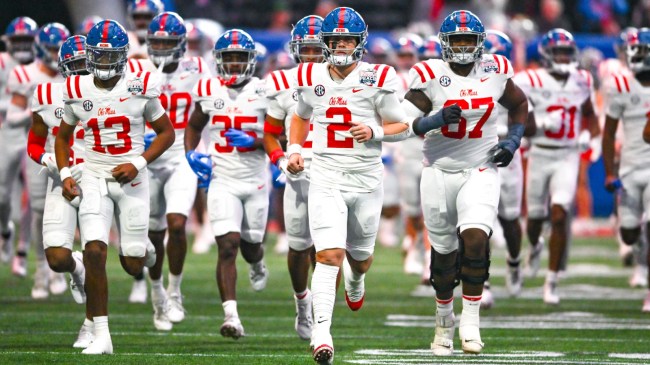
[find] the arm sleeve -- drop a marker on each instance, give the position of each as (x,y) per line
(68,115)
(389,108)
(411,110)
(153,110)
(275,110)
(303,109)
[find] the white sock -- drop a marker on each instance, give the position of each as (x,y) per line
(471,306)
(323,288)
(174,286)
(157,290)
(551,276)
(354,282)
(88,323)
(444,307)
(78,267)
(100,326)
(230,308)
(302,295)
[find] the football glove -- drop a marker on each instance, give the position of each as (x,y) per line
(445,116)
(238,138)
(503,152)
(200,163)
(279,179)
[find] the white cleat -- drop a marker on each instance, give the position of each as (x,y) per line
(550,293)
(58,284)
(19,266)
(487,299)
(77,282)
(535,258)
(233,328)
(386,235)
(7,244)
(176,313)
(646,304)
(412,262)
(470,339)
(514,280)
(99,346)
(138,291)
(84,338)
(281,244)
(258,275)
(40,289)
(443,341)
(304,319)
(203,240)
(639,277)
(160,319)
(322,348)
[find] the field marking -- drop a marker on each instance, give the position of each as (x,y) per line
(161,354)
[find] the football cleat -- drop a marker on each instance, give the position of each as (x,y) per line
(322,348)
(281,244)
(58,284)
(470,338)
(41,281)
(233,328)
(646,304)
(550,293)
(7,241)
(354,292)
(304,320)
(160,319)
(413,262)
(639,277)
(514,280)
(258,275)
(84,338)
(443,340)
(176,312)
(19,266)
(77,282)
(535,258)
(100,345)
(487,299)
(139,291)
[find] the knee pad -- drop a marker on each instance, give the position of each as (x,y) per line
(473,264)
(438,272)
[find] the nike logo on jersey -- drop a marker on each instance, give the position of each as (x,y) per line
(481,169)
(184,77)
(251,99)
(136,184)
(260,187)
(124,99)
(356,90)
(484,78)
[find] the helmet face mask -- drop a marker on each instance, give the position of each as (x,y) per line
(165,49)
(235,57)
(343,36)
(638,57)
(21,48)
(107,46)
(559,51)
(462,48)
(141,13)
(305,45)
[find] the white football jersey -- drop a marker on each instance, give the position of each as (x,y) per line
(176,98)
(339,161)
(243,109)
(283,97)
(113,120)
(548,95)
(47,101)
(629,101)
(467,144)
(7,64)
(24,79)
(135,65)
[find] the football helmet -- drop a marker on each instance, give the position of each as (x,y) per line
(19,38)
(339,24)
(431,48)
(141,12)
(462,26)
(497,42)
(166,39)
(638,50)
(381,51)
(48,41)
(88,23)
(72,56)
(305,45)
(107,45)
(559,51)
(235,56)
(408,48)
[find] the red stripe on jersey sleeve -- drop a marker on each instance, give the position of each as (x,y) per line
(627,86)
(131,69)
(539,79)
(530,77)
(69,86)
(300,74)
(429,70)
(382,78)
(275,81)
(146,81)
(198,60)
(77,85)
(496,59)
(2,62)
(25,73)
(20,79)
(208,89)
(49,93)
(284,79)
(199,88)
(309,68)
(417,69)
(39,92)
(505,64)
(618,84)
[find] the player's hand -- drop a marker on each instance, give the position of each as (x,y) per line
(360,132)
(451,114)
(201,164)
(503,153)
(125,173)
(296,164)
(612,183)
(49,161)
(584,140)
(553,120)
(77,171)
(70,189)
(148,138)
(237,138)
(278,178)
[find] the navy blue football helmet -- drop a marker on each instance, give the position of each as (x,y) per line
(305,41)
(140,13)
(48,41)
(107,46)
(559,50)
(431,48)
(343,23)
(456,26)
(235,56)
(166,39)
(19,39)
(499,43)
(638,50)
(72,56)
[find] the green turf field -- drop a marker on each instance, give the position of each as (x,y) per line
(598,321)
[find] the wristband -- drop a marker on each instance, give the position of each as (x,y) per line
(139,163)
(275,155)
(294,148)
(64,173)
(377,132)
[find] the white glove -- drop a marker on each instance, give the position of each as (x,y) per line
(553,121)
(76,171)
(49,161)
(584,140)
(282,165)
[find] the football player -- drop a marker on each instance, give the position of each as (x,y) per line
(348,99)
(233,106)
(60,216)
(22,83)
(561,96)
(280,90)
(172,184)
(113,106)
(628,100)
(460,181)
(19,40)
(140,13)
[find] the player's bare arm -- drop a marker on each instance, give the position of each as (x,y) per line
(195,125)
(609,141)
(420,100)
(590,117)
(646,132)
(62,152)
(516,102)
(17,111)
(299,131)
